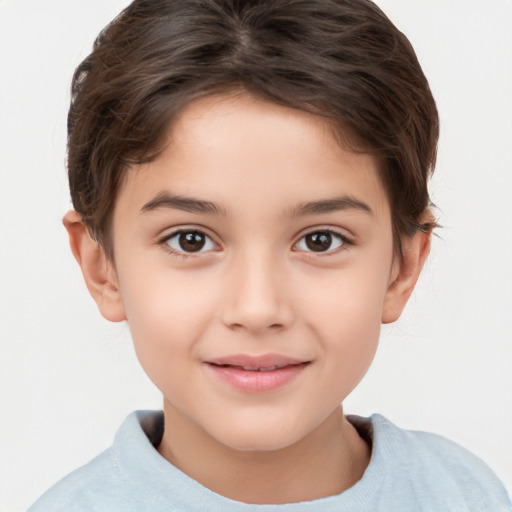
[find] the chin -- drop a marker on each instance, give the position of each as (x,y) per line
(260,439)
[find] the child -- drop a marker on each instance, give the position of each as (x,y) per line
(249,181)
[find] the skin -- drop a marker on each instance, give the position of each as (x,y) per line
(256,288)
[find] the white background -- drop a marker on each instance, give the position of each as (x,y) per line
(68,378)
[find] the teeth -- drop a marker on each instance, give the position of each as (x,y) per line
(257,368)
(267,369)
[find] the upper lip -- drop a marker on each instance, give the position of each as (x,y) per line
(250,362)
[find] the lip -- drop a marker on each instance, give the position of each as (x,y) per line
(256,374)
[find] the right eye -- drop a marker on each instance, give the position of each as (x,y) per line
(189,241)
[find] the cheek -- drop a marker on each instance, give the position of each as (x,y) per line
(348,299)
(349,336)
(167,314)
(350,331)
(344,309)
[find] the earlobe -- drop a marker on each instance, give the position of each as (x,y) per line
(415,252)
(99,273)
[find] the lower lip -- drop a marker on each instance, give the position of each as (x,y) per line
(254,381)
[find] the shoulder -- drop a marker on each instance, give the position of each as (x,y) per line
(432,466)
(80,489)
(104,483)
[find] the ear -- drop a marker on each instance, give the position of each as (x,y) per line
(405,274)
(98,271)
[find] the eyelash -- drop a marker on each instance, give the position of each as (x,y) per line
(345,242)
(164,242)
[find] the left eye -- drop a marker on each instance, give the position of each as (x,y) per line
(320,241)
(190,242)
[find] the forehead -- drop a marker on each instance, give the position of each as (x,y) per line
(222,147)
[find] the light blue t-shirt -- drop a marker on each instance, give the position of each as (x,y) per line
(408,472)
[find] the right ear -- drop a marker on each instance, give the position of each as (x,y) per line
(98,271)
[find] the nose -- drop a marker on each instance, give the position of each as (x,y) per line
(257,297)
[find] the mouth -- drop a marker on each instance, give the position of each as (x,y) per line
(255,368)
(257,374)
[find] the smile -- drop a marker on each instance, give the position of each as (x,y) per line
(256,374)
(256,368)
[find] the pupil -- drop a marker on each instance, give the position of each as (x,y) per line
(319,242)
(192,241)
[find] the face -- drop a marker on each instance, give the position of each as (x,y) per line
(253,260)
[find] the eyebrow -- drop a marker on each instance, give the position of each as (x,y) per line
(331,205)
(186,204)
(192,205)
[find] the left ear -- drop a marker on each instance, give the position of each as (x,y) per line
(405,274)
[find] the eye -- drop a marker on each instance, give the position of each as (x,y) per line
(192,241)
(321,241)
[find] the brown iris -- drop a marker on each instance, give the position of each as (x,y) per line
(319,242)
(192,241)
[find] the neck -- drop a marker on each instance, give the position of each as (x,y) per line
(326,462)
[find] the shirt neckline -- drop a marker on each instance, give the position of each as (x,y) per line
(141,465)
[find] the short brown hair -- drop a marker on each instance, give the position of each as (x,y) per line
(342,59)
